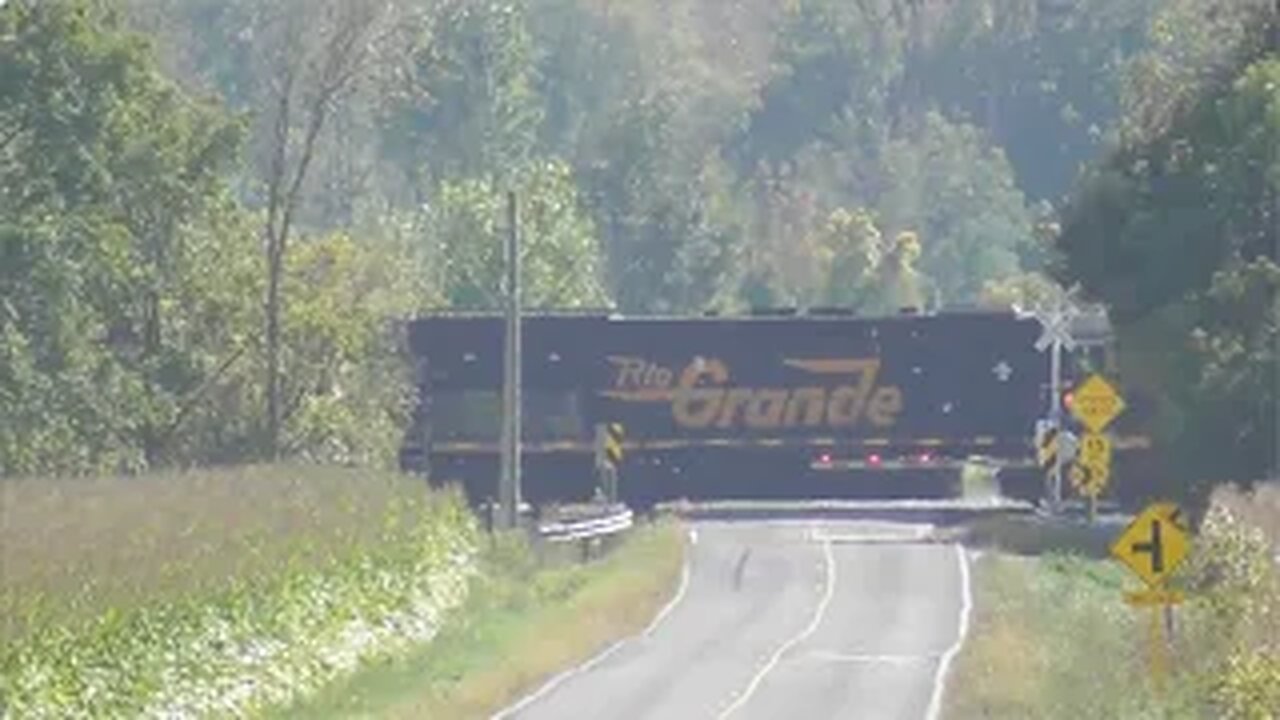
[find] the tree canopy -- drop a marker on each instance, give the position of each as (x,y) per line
(214,213)
(1177,231)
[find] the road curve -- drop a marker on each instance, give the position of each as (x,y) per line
(786,619)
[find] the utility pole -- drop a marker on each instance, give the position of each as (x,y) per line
(509,481)
(1055,414)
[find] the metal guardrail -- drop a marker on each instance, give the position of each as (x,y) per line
(599,526)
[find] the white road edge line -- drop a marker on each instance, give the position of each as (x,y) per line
(966,607)
(549,686)
(745,695)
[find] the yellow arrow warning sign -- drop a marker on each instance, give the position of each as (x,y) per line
(1154,544)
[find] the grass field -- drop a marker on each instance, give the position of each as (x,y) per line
(523,622)
(1052,637)
(72,549)
(213,594)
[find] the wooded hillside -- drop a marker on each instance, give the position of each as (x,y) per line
(212,211)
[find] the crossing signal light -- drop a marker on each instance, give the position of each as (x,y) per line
(1067,399)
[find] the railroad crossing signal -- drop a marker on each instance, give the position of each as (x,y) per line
(1154,544)
(1096,403)
(1056,325)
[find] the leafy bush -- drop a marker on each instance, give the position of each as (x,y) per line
(1234,617)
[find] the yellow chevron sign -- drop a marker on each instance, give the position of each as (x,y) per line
(614,435)
(1047,448)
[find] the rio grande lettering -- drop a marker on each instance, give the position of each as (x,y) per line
(703,396)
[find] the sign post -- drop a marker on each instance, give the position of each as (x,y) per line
(1152,546)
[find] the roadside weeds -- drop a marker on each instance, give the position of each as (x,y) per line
(523,622)
(1053,638)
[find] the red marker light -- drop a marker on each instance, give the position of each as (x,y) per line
(926,458)
(824,458)
(1067,399)
(874,459)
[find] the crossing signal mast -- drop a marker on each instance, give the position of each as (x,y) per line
(1055,318)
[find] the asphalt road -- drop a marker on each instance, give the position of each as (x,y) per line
(796,620)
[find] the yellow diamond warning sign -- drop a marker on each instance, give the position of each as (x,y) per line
(1096,403)
(1154,544)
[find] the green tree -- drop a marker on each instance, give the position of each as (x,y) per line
(664,216)
(1193,48)
(560,250)
(469,105)
(588,66)
(313,58)
(107,172)
(1022,290)
(348,391)
(961,194)
(1176,231)
(851,247)
(131,279)
(1042,79)
(897,283)
(834,59)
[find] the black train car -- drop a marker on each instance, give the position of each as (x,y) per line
(734,407)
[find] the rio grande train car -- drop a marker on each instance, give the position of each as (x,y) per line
(750,407)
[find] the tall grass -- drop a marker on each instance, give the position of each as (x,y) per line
(72,549)
(215,592)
